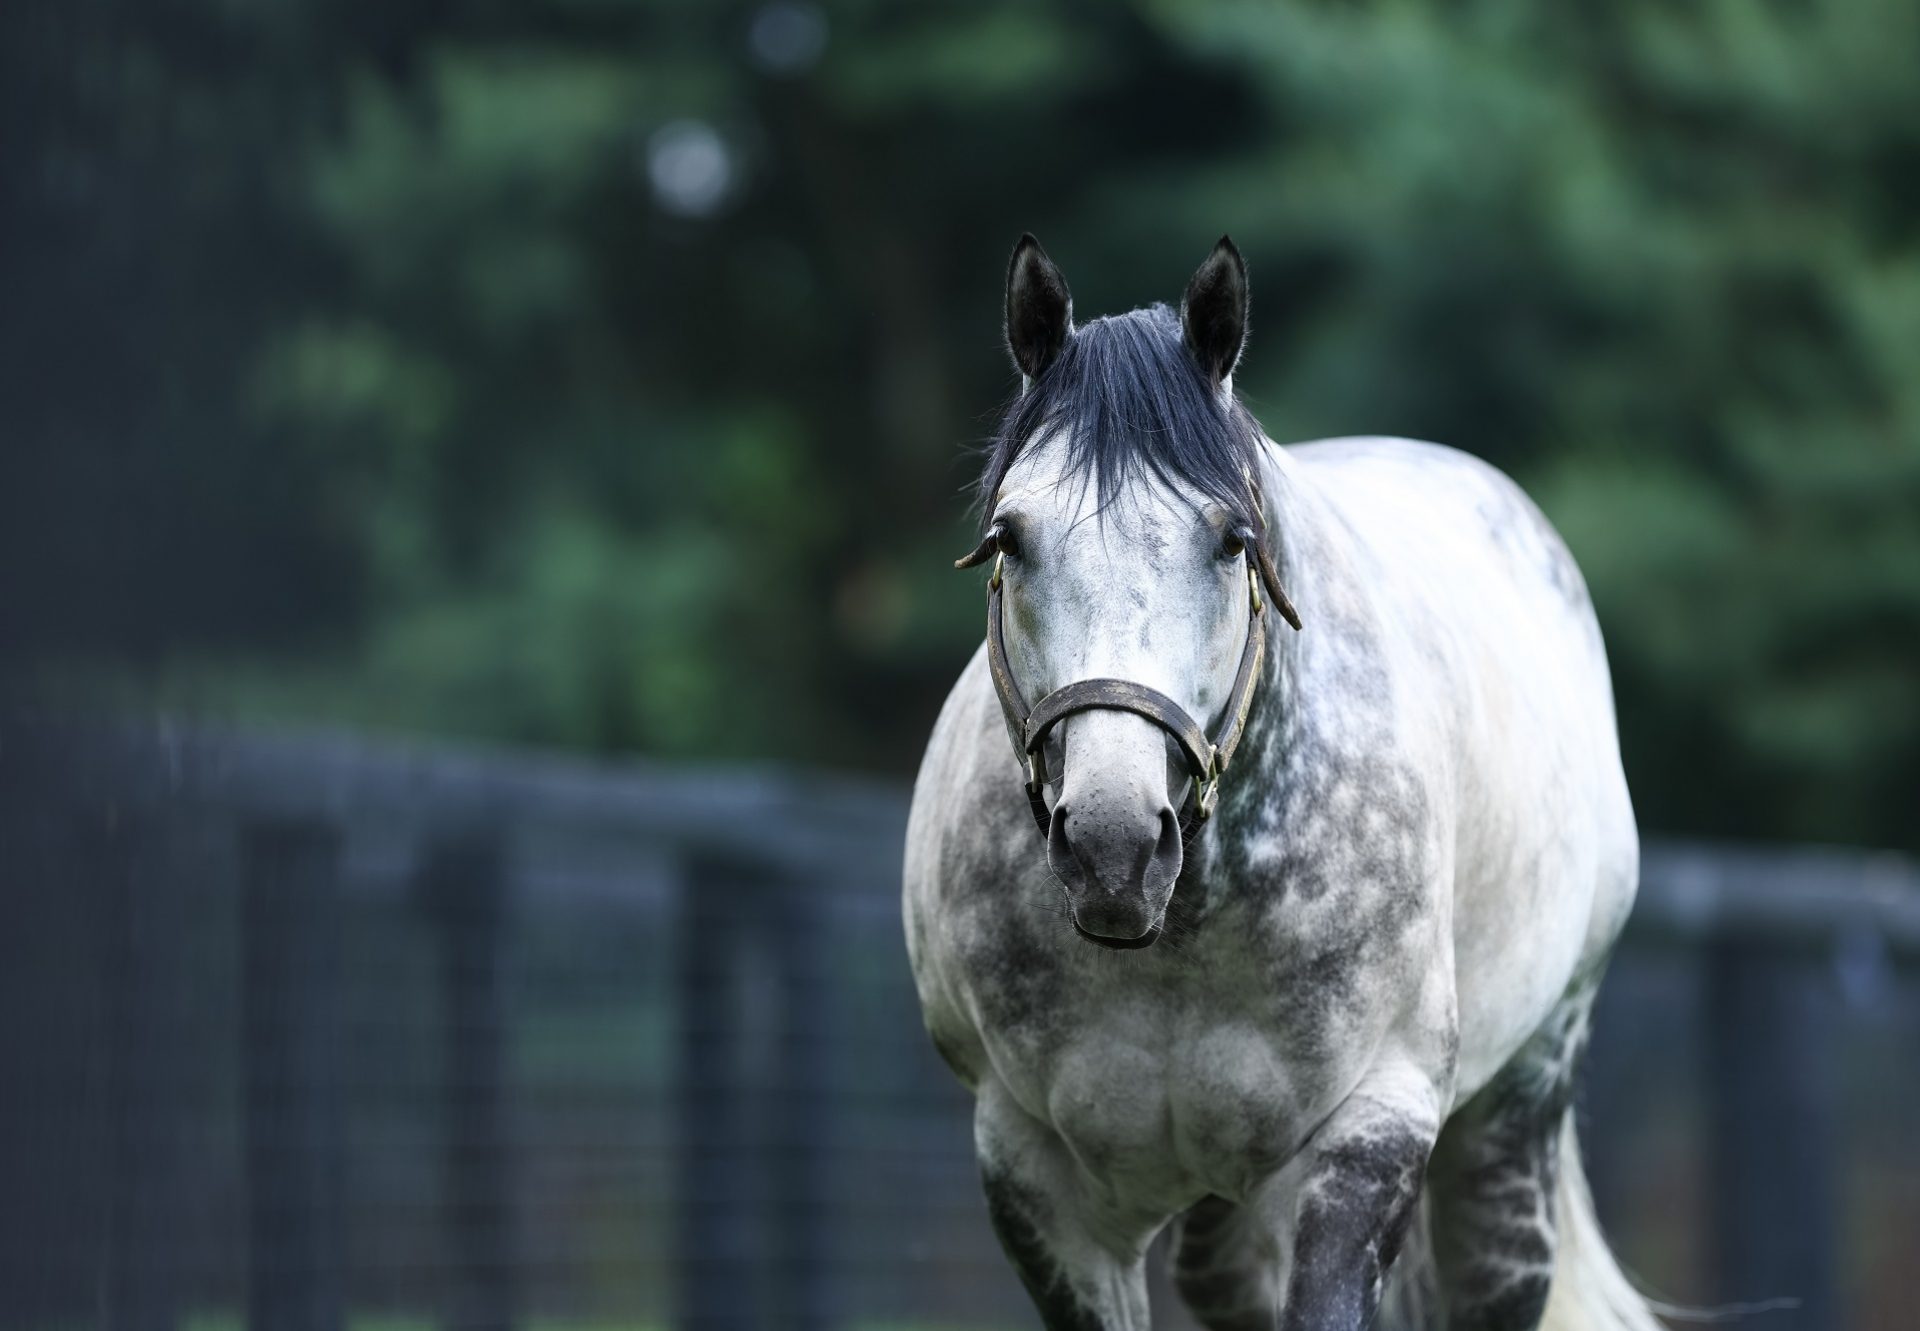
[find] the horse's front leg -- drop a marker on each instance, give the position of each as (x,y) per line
(1343,1205)
(1081,1260)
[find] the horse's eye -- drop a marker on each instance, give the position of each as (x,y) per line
(1006,543)
(1233,544)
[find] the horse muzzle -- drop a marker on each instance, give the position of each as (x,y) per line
(1114,839)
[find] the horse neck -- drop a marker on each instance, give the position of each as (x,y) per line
(1300,530)
(1303,540)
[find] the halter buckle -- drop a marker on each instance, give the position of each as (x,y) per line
(1207,788)
(1209,796)
(1253,586)
(993,579)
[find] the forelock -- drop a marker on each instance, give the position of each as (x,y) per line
(1130,403)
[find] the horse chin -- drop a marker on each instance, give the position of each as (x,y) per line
(1145,940)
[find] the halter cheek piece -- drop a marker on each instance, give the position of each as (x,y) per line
(1206,757)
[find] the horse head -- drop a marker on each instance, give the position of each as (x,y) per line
(1129,555)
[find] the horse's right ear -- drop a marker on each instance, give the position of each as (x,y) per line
(1039,308)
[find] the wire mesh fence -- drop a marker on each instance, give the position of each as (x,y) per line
(319,1033)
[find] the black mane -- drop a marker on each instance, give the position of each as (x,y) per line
(1133,400)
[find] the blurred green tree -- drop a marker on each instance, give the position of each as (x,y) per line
(597,373)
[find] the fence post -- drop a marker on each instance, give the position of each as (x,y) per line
(715,1189)
(1771,1086)
(1604,1105)
(753,1115)
(463,882)
(804,1276)
(290,969)
(144,1066)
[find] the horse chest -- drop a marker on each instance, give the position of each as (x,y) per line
(1167,1107)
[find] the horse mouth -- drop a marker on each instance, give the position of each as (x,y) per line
(1119,944)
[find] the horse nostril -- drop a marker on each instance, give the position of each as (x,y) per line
(1163,866)
(1062,855)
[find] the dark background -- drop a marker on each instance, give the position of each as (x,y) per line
(467,468)
(599,374)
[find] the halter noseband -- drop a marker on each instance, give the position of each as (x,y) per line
(1207,757)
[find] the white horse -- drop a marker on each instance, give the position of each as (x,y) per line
(1320,1006)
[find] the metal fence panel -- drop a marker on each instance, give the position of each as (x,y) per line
(312,1032)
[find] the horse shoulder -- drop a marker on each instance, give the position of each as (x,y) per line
(1339,881)
(944,866)
(1509,653)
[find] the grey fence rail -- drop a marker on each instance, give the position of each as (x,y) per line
(317,1032)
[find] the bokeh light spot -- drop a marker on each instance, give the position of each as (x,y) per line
(787,36)
(690,168)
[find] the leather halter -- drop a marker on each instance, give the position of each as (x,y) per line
(1207,756)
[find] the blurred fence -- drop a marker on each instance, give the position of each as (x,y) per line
(316,1033)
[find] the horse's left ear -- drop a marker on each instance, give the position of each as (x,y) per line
(1214,314)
